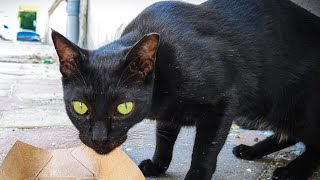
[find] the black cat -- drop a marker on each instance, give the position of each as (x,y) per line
(248,59)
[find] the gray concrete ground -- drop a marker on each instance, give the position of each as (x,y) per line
(32,110)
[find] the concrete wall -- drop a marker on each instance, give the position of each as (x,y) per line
(106,19)
(58,19)
(9,18)
(42,18)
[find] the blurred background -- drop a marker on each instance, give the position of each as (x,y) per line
(31,105)
(89,23)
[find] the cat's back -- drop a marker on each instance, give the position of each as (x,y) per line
(269,19)
(241,12)
(270,15)
(173,17)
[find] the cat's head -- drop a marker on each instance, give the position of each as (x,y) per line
(109,90)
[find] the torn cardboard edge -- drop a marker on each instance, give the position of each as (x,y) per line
(25,161)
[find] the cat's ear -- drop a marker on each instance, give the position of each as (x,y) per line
(69,54)
(142,56)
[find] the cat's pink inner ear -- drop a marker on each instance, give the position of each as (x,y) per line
(146,50)
(67,53)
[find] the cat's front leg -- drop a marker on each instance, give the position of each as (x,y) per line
(210,138)
(166,137)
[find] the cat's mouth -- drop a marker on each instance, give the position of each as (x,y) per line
(107,147)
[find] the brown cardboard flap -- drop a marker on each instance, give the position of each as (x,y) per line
(118,165)
(81,163)
(24,161)
(88,158)
(62,164)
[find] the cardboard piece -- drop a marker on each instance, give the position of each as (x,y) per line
(25,161)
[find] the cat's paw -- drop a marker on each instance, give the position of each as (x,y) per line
(151,169)
(244,152)
(198,173)
(284,173)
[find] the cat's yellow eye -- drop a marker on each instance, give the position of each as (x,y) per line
(80,107)
(125,108)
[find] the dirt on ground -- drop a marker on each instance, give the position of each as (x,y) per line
(26,52)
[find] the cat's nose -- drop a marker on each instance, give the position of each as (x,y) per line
(99,140)
(99,133)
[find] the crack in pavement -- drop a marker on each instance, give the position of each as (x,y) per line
(12,87)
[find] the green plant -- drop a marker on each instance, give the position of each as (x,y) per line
(26,20)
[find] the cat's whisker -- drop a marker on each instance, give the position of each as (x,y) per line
(165,137)
(128,79)
(77,78)
(159,130)
(125,70)
(136,82)
(82,77)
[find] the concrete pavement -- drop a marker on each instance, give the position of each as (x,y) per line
(32,110)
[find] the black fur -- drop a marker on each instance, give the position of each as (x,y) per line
(257,61)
